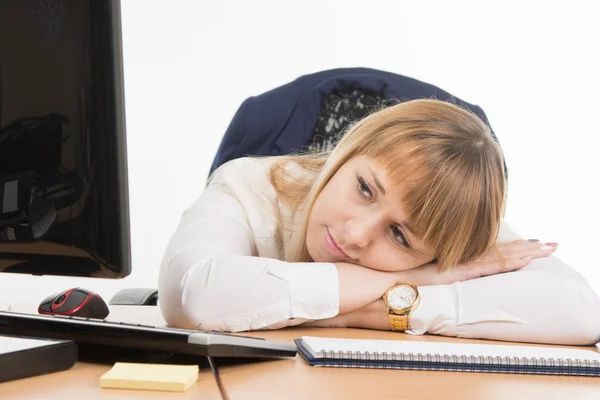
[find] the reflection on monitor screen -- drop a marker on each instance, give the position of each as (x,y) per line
(63,169)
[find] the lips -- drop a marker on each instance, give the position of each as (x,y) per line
(332,246)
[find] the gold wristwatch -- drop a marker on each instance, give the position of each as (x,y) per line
(401,300)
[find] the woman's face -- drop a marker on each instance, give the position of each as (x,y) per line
(358,219)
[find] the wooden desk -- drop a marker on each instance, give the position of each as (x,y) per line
(294,379)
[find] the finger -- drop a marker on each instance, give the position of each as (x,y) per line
(521,248)
(516,245)
(517,264)
(539,251)
(513,252)
(497,267)
(512,264)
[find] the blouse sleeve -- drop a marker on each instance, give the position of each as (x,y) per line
(545,302)
(211,278)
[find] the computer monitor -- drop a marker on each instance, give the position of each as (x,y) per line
(63,169)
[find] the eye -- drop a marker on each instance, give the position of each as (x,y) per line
(363,188)
(398,235)
(365,191)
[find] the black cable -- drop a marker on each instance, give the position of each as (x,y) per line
(215,371)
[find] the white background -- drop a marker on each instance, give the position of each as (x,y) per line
(532,66)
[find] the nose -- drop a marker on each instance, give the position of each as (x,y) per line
(360,232)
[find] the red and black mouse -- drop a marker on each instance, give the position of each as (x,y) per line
(76,302)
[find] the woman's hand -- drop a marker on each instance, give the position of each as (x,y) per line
(372,316)
(517,254)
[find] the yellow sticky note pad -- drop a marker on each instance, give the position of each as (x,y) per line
(163,377)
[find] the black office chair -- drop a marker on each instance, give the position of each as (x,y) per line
(311,112)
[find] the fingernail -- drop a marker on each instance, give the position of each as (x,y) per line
(553,244)
(545,247)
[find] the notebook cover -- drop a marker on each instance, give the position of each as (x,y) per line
(457,366)
(37,359)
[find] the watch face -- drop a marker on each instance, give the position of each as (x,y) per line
(401,297)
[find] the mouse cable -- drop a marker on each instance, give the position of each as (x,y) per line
(215,371)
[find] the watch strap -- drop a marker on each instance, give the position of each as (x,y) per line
(398,323)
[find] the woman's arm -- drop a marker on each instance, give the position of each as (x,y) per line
(211,278)
(544,302)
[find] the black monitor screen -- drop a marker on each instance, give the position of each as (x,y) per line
(63,170)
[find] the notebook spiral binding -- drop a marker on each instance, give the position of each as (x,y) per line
(463,363)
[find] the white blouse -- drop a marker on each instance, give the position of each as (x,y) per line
(222,270)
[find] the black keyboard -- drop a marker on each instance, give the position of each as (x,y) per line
(142,337)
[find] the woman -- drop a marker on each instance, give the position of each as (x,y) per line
(413,194)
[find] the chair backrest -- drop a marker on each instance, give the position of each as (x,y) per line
(340,110)
(314,110)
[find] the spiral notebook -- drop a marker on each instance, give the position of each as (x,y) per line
(435,356)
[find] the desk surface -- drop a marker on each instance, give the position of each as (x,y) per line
(294,379)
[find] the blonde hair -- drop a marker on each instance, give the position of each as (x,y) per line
(447,160)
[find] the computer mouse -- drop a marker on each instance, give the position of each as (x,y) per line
(76,302)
